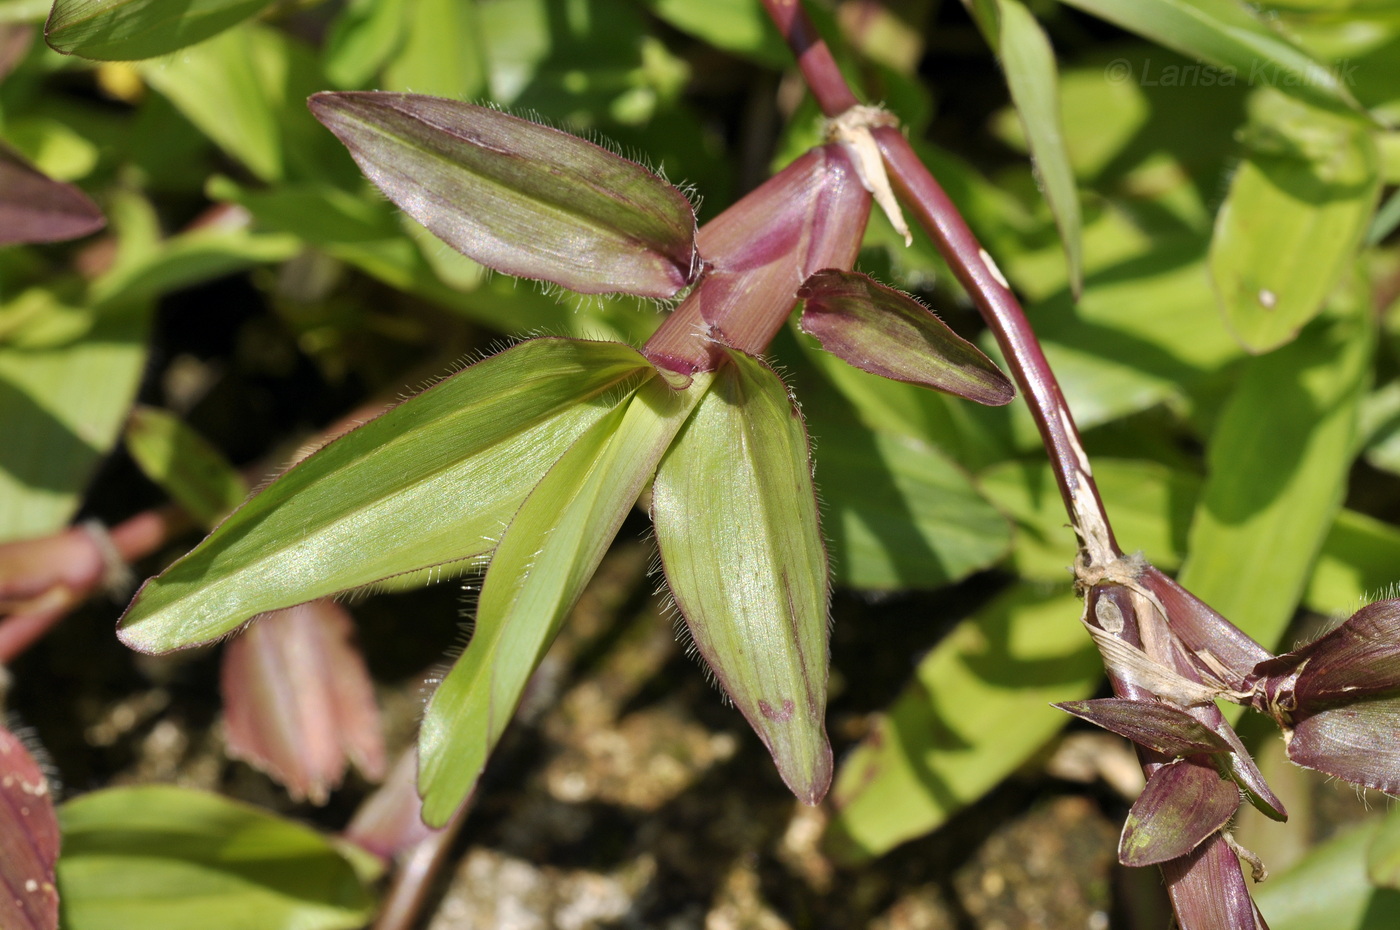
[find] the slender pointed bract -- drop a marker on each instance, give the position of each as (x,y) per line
(890,334)
(429,485)
(551,549)
(1160,727)
(519,197)
(1184,802)
(29,840)
(36,208)
(298,700)
(736,522)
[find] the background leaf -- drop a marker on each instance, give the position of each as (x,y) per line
(1278,463)
(184,464)
(978,707)
(164,857)
(1296,212)
(1028,61)
(132,29)
(1330,888)
(1228,35)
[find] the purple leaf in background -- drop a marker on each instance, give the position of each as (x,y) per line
(518,197)
(36,208)
(298,700)
(28,841)
(888,333)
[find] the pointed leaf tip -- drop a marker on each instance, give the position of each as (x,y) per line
(518,197)
(888,333)
(36,208)
(737,526)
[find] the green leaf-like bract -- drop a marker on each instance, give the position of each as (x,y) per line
(430,483)
(736,522)
(522,198)
(162,858)
(551,549)
(127,30)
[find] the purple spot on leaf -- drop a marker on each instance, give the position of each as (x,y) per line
(779,715)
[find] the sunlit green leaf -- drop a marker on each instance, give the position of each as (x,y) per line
(1358,562)
(246,90)
(1296,212)
(133,29)
(184,464)
(430,484)
(1329,888)
(547,556)
(63,398)
(736,523)
(1029,65)
(1278,461)
(738,26)
(1228,35)
(362,37)
(159,857)
(979,706)
(899,513)
(441,50)
(519,197)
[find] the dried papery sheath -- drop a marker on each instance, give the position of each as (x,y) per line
(1184,802)
(36,208)
(737,526)
(888,333)
(521,198)
(1215,645)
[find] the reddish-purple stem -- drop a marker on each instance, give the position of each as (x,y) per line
(819,69)
(978,275)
